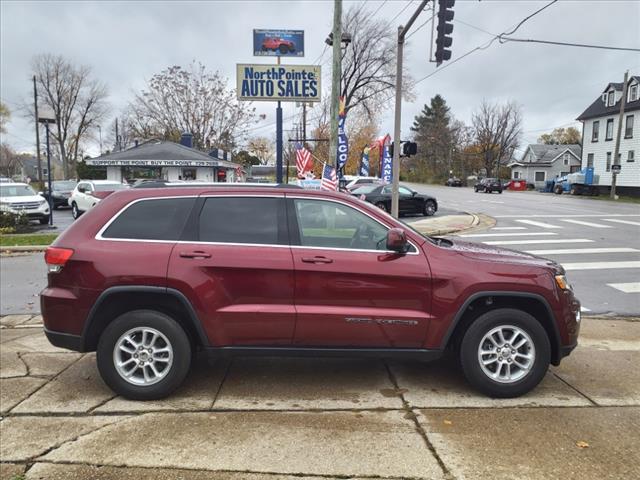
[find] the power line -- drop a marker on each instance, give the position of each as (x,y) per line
(567,44)
(378,9)
(422,25)
(529,17)
(400,12)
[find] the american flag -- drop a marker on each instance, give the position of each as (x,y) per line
(304,163)
(329,178)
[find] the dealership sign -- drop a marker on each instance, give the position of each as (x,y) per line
(288,83)
(278,43)
(152,163)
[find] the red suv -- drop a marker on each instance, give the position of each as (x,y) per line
(276,43)
(150,276)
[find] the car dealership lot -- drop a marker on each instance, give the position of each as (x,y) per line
(295,417)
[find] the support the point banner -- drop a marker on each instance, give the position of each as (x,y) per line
(364,163)
(386,170)
(343,143)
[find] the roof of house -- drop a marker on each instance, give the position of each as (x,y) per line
(599,109)
(162,151)
(546,154)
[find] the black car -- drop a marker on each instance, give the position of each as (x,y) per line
(410,200)
(488,185)
(453,182)
(61,192)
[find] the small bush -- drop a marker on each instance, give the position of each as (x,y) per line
(15,222)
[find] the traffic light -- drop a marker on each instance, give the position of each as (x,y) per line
(445,29)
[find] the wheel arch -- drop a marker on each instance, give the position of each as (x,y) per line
(482,302)
(118,300)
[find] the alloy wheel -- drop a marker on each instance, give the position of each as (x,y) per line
(143,356)
(506,354)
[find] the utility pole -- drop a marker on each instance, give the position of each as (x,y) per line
(336,73)
(304,124)
(117,145)
(35,103)
(402,32)
(279,140)
(616,152)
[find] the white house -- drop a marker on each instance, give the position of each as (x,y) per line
(542,162)
(599,129)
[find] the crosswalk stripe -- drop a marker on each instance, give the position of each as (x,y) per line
(587,224)
(563,251)
(600,265)
(632,287)
(586,215)
(478,235)
(509,228)
(538,224)
(628,222)
(536,241)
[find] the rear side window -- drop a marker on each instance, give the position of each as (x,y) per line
(254,220)
(161,219)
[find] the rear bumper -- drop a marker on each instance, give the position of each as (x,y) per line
(65,340)
(566,350)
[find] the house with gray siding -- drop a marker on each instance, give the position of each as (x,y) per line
(542,162)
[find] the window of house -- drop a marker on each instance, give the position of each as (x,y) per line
(633,92)
(631,154)
(612,97)
(540,176)
(596,131)
(590,160)
(609,134)
(628,127)
(161,219)
(333,225)
(562,174)
(516,175)
(608,161)
(253,220)
(566,159)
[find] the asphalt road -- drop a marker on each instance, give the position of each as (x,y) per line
(597,241)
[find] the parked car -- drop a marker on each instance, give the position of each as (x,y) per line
(152,275)
(453,182)
(20,198)
(61,192)
(488,185)
(89,192)
(277,43)
(355,182)
(410,201)
(5,180)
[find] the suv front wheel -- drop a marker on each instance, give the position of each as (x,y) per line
(505,353)
(143,355)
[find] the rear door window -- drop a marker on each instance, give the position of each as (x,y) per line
(154,219)
(248,220)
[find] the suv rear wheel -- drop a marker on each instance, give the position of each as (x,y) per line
(143,355)
(505,353)
(75,211)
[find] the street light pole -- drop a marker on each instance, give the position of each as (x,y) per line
(402,32)
(47,116)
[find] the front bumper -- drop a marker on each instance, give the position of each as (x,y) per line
(35,213)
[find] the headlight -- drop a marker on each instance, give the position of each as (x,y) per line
(43,202)
(561,281)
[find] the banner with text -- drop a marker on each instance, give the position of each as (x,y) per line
(343,142)
(387,162)
(287,83)
(364,163)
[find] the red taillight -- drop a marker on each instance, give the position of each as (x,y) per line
(56,258)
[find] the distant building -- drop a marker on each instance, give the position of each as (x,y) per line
(169,161)
(599,130)
(542,162)
(29,169)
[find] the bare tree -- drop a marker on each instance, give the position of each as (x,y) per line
(192,100)
(78,102)
(5,116)
(263,148)
(497,130)
(10,161)
(368,65)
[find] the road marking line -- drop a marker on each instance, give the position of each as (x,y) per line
(478,235)
(538,224)
(600,265)
(632,287)
(565,215)
(509,228)
(525,242)
(562,251)
(628,222)
(587,224)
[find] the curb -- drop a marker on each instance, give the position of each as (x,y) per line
(24,248)
(475,222)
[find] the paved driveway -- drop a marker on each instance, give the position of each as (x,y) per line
(279,418)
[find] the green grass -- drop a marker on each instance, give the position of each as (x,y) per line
(27,239)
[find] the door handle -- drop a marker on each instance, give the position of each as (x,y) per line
(317,259)
(195,254)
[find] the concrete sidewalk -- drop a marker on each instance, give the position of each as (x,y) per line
(280,418)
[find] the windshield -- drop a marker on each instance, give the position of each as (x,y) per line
(66,185)
(108,187)
(16,191)
(365,189)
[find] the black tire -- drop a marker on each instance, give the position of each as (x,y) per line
(43,221)
(429,208)
(75,212)
(499,191)
(283,49)
(164,324)
(471,343)
(382,206)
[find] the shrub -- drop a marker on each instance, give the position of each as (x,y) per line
(14,222)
